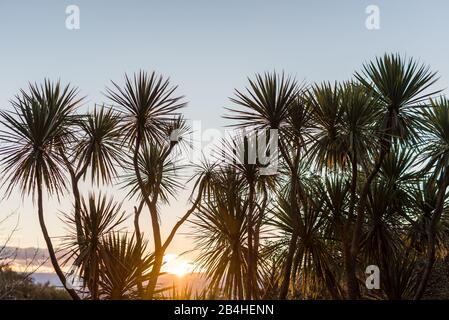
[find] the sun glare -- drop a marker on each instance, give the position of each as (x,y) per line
(174,264)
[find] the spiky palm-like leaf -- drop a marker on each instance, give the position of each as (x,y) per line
(313,270)
(124,264)
(100,146)
(148,104)
(360,116)
(399,167)
(99,217)
(266,101)
(328,147)
(333,193)
(401,85)
(436,134)
(423,199)
(220,235)
(37,127)
(155,170)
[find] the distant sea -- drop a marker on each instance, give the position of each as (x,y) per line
(194,280)
(43,277)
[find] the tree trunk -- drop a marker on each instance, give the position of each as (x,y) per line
(77,198)
(75,177)
(47,238)
(158,252)
(351,277)
(431,235)
(295,215)
(249,230)
(349,266)
(154,221)
(352,286)
(159,257)
(137,212)
(385,145)
(288,265)
(257,243)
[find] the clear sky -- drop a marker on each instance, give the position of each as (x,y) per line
(206,47)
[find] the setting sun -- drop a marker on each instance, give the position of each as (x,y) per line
(174,264)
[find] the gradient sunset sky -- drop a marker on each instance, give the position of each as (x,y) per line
(206,47)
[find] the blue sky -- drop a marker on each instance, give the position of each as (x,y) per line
(208,48)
